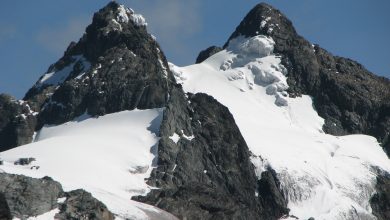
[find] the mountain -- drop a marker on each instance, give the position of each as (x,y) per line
(267,126)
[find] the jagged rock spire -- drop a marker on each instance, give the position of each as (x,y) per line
(116,65)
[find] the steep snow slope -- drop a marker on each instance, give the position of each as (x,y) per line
(322,176)
(109,156)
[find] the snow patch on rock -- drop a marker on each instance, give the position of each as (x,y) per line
(122,14)
(138,20)
(56,77)
(126,14)
(175,138)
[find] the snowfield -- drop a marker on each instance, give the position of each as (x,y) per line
(109,156)
(323,176)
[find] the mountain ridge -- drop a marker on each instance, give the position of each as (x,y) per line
(204,165)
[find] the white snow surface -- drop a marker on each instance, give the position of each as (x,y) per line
(109,156)
(323,176)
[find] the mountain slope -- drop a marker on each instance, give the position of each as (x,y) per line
(351,99)
(321,176)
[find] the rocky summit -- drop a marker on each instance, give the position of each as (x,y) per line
(267,126)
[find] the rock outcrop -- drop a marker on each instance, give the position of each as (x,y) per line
(81,205)
(206,173)
(17,122)
(350,98)
(26,196)
(22,197)
(204,54)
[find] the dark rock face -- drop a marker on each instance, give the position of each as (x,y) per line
(207,174)
(27,196)
(204,54)
(17,123)
(80,205)
(271,198)
(115,66)
(5,212)
(380,201)
(349,97)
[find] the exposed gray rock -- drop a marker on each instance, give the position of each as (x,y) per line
(207,174)
(350,98)
(23,197)
(204,54)
(17,123)
(80,205)
(26,196)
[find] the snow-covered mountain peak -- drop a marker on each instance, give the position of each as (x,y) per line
(115,52)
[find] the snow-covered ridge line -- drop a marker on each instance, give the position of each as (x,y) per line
(322,176)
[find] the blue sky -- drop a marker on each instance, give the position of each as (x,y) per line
(34,34)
